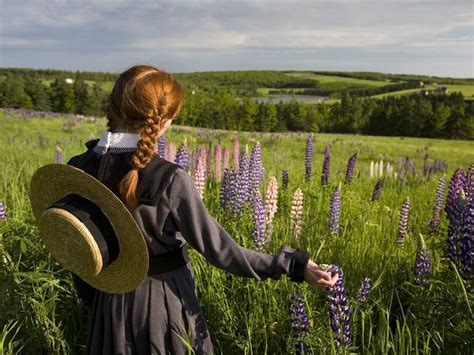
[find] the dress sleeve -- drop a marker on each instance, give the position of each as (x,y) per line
(210,239)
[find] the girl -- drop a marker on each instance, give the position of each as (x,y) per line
(166,205)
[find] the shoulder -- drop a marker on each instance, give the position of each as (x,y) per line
(74,161)
(154,179)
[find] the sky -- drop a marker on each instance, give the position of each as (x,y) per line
(401,36)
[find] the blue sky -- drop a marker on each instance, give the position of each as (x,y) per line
(415,37)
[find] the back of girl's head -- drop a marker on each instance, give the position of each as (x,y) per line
(142,99)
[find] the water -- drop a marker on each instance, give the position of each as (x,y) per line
(287,98)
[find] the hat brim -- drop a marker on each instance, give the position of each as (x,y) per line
(54,181)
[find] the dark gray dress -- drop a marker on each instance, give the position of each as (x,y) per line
(148,319)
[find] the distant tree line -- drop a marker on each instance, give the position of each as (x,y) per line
(438,115)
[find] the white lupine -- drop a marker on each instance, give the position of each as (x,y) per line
(389,169)
(270,206)
(199,178)
(381,168)
(376,168)
(371,171)
(296,213)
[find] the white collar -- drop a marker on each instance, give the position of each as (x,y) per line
(118,139)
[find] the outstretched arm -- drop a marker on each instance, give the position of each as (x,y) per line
(210,239)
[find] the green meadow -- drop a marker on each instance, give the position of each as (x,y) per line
(40,312)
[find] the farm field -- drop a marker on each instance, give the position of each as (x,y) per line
(39,310)
(332,78)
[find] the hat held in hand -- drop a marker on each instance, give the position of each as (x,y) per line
(88,229)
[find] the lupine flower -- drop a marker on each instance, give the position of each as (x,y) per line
(371,169)
(284,178)
(218,159)
(455,228)
(225,155)
(235,145)
(456,184)
(389,169)
(335,212)
(299,322)
(171,152)
(339,310)
(365,288)
(3,212)
(327,161)
(466,243)
(422,265)
(426,165)
(296,213)
(377,190)
(381,168)
(469,183)
(270,206)
(203,154)
(161,146)
(256,175)
(433,223)
(58,156)
(376,168)
(182,157)
(199,178)
(245,177)
(209,162)
(351,168)
(308,157)
(403,224)
(225,193)
(258,222)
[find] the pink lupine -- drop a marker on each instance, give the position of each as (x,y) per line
(218,158)
(296,213)
(271,199)
(199,178)
(209,162)
(225,154)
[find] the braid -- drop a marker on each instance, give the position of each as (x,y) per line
(141,157)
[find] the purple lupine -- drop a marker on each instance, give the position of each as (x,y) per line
(3,212)
(161,147)
(245,177)
(422,265)
(466,242)
(225,158)
(308,158)
(258,219)
(327,160)
(365,288)
(256,167)
(225,193)
(199,178)
(433,223)
(218,159)
(377,190)
(284,178)
(339,310)
(182,157)
(403,224)
(456,184)
(335,212)
(426,165)
(299,321)
(469,183)
(58,156)
(235,146)
(351,163)
(455,228)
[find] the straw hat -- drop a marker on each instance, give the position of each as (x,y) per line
(88,229)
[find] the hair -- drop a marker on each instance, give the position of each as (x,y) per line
(143,98)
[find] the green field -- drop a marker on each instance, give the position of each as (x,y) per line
(331,79)
(39,308)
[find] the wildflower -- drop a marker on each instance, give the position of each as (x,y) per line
(422,265)
(296,213)
(327,161)
(433,223)
(225,155)
(209,162)
(365,288)
(403,224)
(455,227)
(299,322)
(199,178)
(371,169)
(339,310)
(308,157)
(258,220)
(218,154)
(171,152)
(377,190)
(270,206)
(58,156)
(456,184)
(182,157)
(245,177)
(256,167)
(225,192)
(334,212)
(381,168)
(284,178)
(161,146)
(351,168)
(235,144)
(466,243)
(3,212)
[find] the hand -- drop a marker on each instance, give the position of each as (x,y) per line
(314,275)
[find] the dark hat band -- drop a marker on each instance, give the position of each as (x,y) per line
(96,221)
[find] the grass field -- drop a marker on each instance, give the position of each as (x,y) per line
(39,308)
(330,79)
